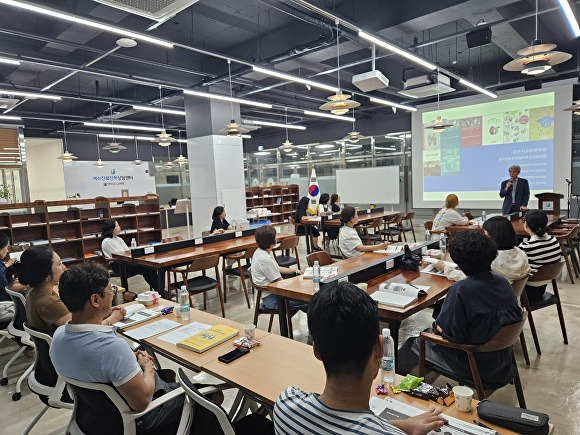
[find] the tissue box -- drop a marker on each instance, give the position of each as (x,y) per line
(148,298)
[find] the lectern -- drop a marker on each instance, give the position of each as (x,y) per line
(549,202)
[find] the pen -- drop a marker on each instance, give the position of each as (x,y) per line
(479,423)
(414,286)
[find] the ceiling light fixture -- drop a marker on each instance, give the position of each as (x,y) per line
(327,115)
(136,162)
(181,160)
(66,156)
(9,61)
(99,163)
(163,139)
(296,79)
(31,95)
(339,103)
(113,147)
(121,126)
(233,129)
(160,110)
(276,124)
(570,17)
(98,25)
(229,99)
(538,57)
(477,88)
(287,145)
(439,124)
(169,163)
(391,104)
(354,136)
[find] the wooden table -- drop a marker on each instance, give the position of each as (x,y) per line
(518,225)
(162,261)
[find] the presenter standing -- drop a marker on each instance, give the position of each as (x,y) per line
(515,192)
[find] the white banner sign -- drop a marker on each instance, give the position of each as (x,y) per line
(113,180)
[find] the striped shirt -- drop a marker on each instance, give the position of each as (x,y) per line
(541,250)
(297,412)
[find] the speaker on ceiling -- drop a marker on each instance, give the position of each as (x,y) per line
(478,37)
(531,85)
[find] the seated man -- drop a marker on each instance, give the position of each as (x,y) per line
(349,241)
(86,350)
(474,310)
(344,323)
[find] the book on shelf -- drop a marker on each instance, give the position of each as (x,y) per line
(209,338)
(136,313)
(325,272)
(38,242)
(399,295)
(19,224)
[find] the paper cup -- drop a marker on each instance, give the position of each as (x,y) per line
(362,286)
(463,396)
(250,331)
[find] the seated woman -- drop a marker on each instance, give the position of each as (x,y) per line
(301,229)
(335,203)
(219,223)
(5,262)
(511,262)
(349,241)
(541,248)
(448,215)
(474,310)
(40,268)
(265,269)
(323,206)
(332,232)
(113,244)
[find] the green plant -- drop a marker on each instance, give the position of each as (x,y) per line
(5,192)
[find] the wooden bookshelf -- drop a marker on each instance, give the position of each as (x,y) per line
(277,199)
(73,227)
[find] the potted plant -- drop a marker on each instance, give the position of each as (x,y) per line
(5,194)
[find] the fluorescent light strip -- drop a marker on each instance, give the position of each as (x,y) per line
(386,148)
(400,51)
(10,118)
(10,154)
(226,98)
(275,124)
(62,79)
(83,21)
(327,115)
(246,136)
(159,110)
(121,126)
(29,94)
(477,88)
(149,138)
(570,16)
(182,140)
(116,136)
(390,103)
(9,61)
(292,78)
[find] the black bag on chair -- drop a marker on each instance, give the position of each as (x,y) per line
(410,261)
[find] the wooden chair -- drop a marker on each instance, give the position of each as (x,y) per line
(548,272)
(239,271)
(468,216)
(504,339)
(176,269)
(404,229)
(259,308)
(565,238)
(392,227)
(202,283)
(429,227)
(518,286)
(288,244)
(321,256)
(374,237)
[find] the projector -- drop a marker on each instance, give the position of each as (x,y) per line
(370,81)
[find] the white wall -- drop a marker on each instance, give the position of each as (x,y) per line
(45,171)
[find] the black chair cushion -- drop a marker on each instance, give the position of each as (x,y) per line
(236,271)
(469,382)
(201,283)
(371,237)
(263,310)
(285,260)
(546,300)
(408,228)
(393,231)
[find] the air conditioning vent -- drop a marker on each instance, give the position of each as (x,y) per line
(427,86)
(153,9)
(7,103)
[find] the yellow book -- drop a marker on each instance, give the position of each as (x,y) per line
(209,338)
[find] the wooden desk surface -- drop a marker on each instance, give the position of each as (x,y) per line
(363,218)
(517,224)
(184,255)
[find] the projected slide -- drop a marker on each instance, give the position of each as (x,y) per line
(471,158)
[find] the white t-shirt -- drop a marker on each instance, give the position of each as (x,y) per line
(447,217)
(264,269)
(113,245)
(348,240)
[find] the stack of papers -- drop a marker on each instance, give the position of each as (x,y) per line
(399,295)
(136,313)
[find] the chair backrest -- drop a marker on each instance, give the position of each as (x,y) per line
(203,263)
(171,239)
(398,218)
(209,417)
(288,243)
(428,225)
(16,327)
(321,256)
(547,272)
(518,285)
(376,224)
(505,337)
(409,216)
(249,253)
(205,233)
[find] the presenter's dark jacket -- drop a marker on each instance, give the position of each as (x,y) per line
(218,224)
(521,198)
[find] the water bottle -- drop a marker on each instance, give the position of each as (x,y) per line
(483,217)
(234,225)
(443,244)
(427,236)
(388,361)
(316,276)
(184,303)
(133,243)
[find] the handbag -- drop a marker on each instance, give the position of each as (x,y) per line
(410,261)
(517,419)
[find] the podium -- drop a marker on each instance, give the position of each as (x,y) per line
(549,202)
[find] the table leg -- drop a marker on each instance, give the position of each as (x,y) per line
(307,232)
(161,282)
(123,272)
(280,301)
(394,328)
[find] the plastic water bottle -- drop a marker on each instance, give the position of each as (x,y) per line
(184,303)
(316,276)
(388,361)
(483,216)
(133,243)
(427,236)
(443,245)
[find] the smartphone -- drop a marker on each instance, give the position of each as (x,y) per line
(234,354)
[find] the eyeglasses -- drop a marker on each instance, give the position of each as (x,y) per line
(108,289)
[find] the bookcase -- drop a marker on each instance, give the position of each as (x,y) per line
(277,199)
(73,227)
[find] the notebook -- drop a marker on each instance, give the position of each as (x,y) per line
(209,338)
(136,313)
(399,295)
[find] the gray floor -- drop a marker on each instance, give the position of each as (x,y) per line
(551,383)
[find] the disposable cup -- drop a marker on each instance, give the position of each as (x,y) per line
(463,396)
(250,331)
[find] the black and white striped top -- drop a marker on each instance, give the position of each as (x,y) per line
(541,250)
(297,412)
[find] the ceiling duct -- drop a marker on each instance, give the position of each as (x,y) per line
(427,85)
(156,10)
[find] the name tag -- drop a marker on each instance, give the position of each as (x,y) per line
(198,241)
(390,264)
(343,279)
(369,211)
(238,234)
(149,250)
(424,250)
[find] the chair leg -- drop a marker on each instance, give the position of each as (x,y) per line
(289,317)
(560,312)
(23,378)
(297,258)
(219,291)
(245,289)
(518,385)
(534,333)
(524,348)
(421,357)
(413,231)
(270,324)
(475,376)
(567,260)
(9,363)
(224,279)
(38,417)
